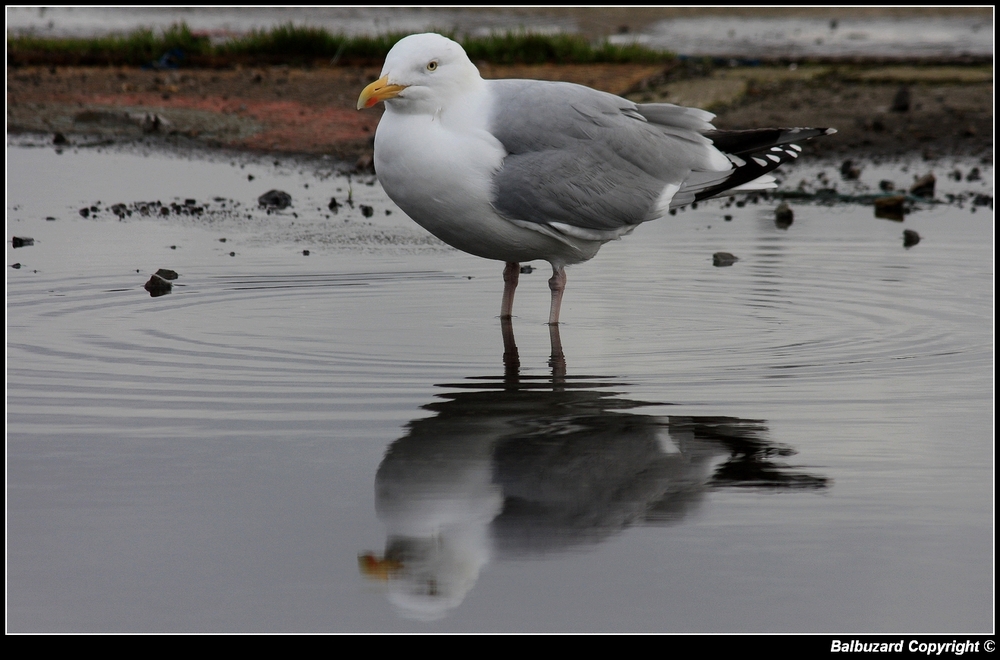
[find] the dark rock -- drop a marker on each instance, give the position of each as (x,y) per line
(157,286)
(783,216)
(849,170)
(974,175)
(333,205)
(151,123)
(167,274)
(891,208)
(727,218)
(910,238)
(85,212)
(22,241)
(119,210)
(49,218)
(305,253)
(275,200)
(366,211)
(15,266)
(901,102)
(982,200)
(924,186)
(721,259)
(59,138)
(190,202)
(886,186)
(527,269)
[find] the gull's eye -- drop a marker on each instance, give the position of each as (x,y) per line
(432,65)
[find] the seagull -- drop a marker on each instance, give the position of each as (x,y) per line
(522,170)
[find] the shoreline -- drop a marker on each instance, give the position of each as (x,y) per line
(311,111)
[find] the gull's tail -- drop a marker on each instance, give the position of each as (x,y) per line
(755,153)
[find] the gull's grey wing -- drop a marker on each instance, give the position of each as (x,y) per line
(591,160)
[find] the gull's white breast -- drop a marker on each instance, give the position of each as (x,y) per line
(438,168)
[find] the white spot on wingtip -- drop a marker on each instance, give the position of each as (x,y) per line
(774,158)
(796,147)
(759,161)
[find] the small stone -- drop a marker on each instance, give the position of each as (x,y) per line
(886,186)
(22,241)
(783,216)
(910,238)
(901,102)
(305,253)
(924,186)
(527,269)
(721,259)
(275,200)
(891,207)
(85,212)
(59,138)
(167,274)
(849,170)
(366,211)
(157,286)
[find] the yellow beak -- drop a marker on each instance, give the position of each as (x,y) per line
(380,90)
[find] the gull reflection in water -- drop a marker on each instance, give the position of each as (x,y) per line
(521,465)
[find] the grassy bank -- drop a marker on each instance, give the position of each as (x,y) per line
(300,45)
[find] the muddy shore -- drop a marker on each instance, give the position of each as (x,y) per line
(939,111)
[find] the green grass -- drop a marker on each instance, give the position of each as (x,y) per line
(290,44)
(138,47)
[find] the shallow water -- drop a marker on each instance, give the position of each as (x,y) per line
(335,442)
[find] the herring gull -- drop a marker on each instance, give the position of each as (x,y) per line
(519,170)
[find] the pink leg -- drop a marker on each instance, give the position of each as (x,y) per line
(510,274)
(557,360)
(511,361)
(557,284)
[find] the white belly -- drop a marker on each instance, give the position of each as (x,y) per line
(442,180)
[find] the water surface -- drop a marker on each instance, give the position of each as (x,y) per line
(336,441)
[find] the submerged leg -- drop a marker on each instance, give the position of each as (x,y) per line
(557,360)
(557,284)
(511,361)
(510,273)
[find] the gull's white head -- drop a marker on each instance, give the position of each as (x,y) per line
(422,67)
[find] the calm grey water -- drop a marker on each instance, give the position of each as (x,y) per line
(802,441)
(736,36)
